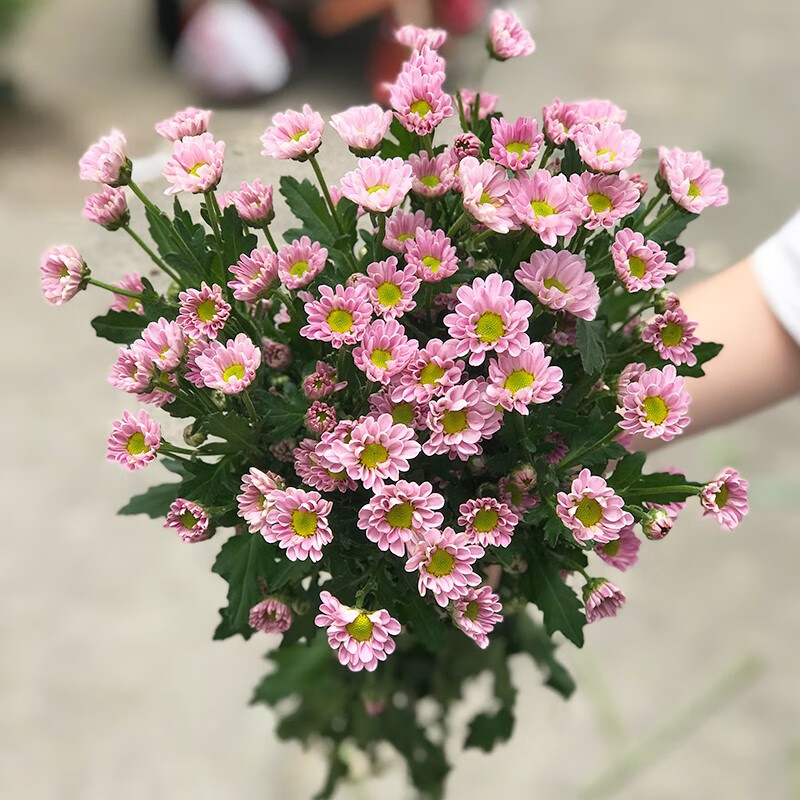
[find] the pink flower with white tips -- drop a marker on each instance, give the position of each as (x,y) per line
(189,520)
(131,282)
(270,616)
(163,343)
(254,275)
(561,121)
(190,121)
(384,350)
(444,560)
(602,200)
(361,638)
(433,370)
(432,255)
(108,208)
(340,316)
(431,177)
(255,498)
(476,614)
(362,128)
(134,440)
(196,164)
(725,499)
(487,102)
(508,37)
(391,290)
(320,418)
(516,382)
(656,405)
(298,523)
(487,522)
(630,374)
(378,185)
(515,145)
(544,203)
(592,510)
(300,262)
(419,101)
(560,281)
(293,134)
(640,265)
(401,229)
(203,311)
(672,336)
(485,194)
(62,273)
(416,38)
(599,111)
(401,513)
(692,183)
(602,599)
(488,319)
(132,371)
(106,161)
(622,552)
(318,473)
(607,147)
(253,202)
(229,367)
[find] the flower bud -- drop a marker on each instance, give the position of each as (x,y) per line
(657,523)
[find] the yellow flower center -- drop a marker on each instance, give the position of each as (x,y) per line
(490,327)
(454,421)
(612,548)
(233,371)
(655,409)
(378,187)
(542,209)
(637,267)
(64,273)
(431,181)
(304,523)
(519,379)
(403,414)
(421,107)
(485,199)
(518,147)
(400,516)
(340,321)
(672,334)
(296,137)
(207,311)
(722,496)
(485,520)
(337,476)
(554,283)
(471,611)
(389,294)
(134,304)
(694,189)
(188,520)
(441,563)
(195,170)
(299,269)
(380,358)
(136,444)
(404,237)
(589,512)
(361,628)
(432,263)
(430,374)
(373,454)
(600,202)
(605,152)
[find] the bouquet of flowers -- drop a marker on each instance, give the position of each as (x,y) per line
(418,415)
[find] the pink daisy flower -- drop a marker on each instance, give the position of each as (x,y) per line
(254,275)
(384,350)
(377,450)
(340,316)
(255,498)
(254,203)
(432,371)
(190,121)
(362,128)
(432,255)
(444,560)
(400,513)
(402,227)
(131,282)
(360,638)
(106,161)
(378,185)
(132,371)
(485,194)
(300,262)
(134,440)
(63,272)
(692,184)
(508,37)
(487,522)
(391,290)
(162,342)
(298,523)
(488,319)
(402,412)
(602,200)
(600,111)
(561,121)
(322,382)
(655,405)
(560,281)
(516,496)
(476,613)
(270,616)
(591,510)
(188,520)
(416,38)
(515,382)
(419,102)
(465,144)
(544,203)
(203,311)
(559,450)
(293,134)
(317,472)
(276,355)
(607,147)
(622,552)
(630,374)
(672,337)
(196,164)
(229,367)
(459,421)
(640,265)
(486,104)
(192,371)
(602,599)
(515,145)
(108,208)
(431,177)
(725,499)
(320,418)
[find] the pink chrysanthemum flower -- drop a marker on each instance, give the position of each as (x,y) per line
(433,370)
(658,522)
(270,616)
(416,38)
(253,202)
(190,121)
(402,412)
(692,183)
(378,185)
(488,319)
(319,472)
(300,262)
(486,104)
(362,128)
(320,417)
(602,200)
(254,275)
(132,371)
(515,145)
(283,450)
(640,265)
(196,164)
(559,450)
(464,145)
(459,421)
(630,374)
(561,121)
(62,273)
(515,382)
(544,203)
(672,337)
(391,290)
(189,520)
(600,111)
(476,614)
(419,102)
(517,497)
(384,350)
(131,282)
(134,440)
(322,382)
(276,355)
(485,194)
(255,498)
(487,522)
(622,552)
(192,372)
(592,510)
(108,208)
(377,450)
(602,599)
(293,134)
(402,227)
(163,342)
(432,255)
(725,499)
(106,161)
(298,523)
(400,513)
(340,316)
(230,367)
(361,638)
(607,147)
(444,560)
(203,311)
(656,405)
(560,281)
(431,177)
(508,37)
(687,262)
(160,394)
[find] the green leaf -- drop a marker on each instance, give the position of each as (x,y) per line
(628,472)
(668,227)
(231,427)
(154,304)
(529,637)
(661,488)
(560,606)
(234,241)
(591,343)
(283,416)
(571,162)
(120,327)
(553,530)
(155,502)
(296,668)
(424,622)
(308,205)
(488,730)
(337,771)
(400,142)
(705,352)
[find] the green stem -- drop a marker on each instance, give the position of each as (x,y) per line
(577,243)
(482,237)
(548,151)
(660,220)
(476,112)
(462,117)
(270,239)
(459,223)
(212,207)
(653,203)
(166,447)
(524,244)
(153,257)
(377,242)
(573,458)
(326,192)
(427,141)
(114,289)
(251,409)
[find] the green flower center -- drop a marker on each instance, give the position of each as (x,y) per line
(380,358)
(655,409)
(134,304)
(304,523)
(454,421)
(432,263)
(400,516)
(378,187)
(188,520)
(403,414)
(612,548)
(361,628)
(421,107)
(589,512)
(554,283)
(389,294)
(722,496)
(694,189)
(299,269)
(471,611)
(136,444)
(637,266)
(430,374)
(542,209)
(485,199)
(404,237)
(296,137)
(337,476)
(195,170)
(373,454)
(233,371)
(485,520)
(490,327)
(340,321)
(600,203)
(518,147)
(441,563)
(672,334)
(207,311)
(518,379)
(605,152)
(431,181)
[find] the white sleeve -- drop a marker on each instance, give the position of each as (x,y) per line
(777,267)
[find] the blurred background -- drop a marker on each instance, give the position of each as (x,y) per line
(110,685)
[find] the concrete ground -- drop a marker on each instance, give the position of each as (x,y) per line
(110,685)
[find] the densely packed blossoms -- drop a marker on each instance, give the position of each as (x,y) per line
(416,408)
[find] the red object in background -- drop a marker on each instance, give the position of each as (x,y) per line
(460,17)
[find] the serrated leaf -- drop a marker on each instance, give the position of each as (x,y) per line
(308,205)
(561,609)
(155,502)
(591,344)
(231,427)
(423,620)
(661,488)
(234,240)
(488,730)
(154,304)
(400,141)
(627,472)
(668,227)
(295,668)
(120,327)
(529,637)
(283,416)
(571,162)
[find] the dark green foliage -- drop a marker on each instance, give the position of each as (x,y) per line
(120,327)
